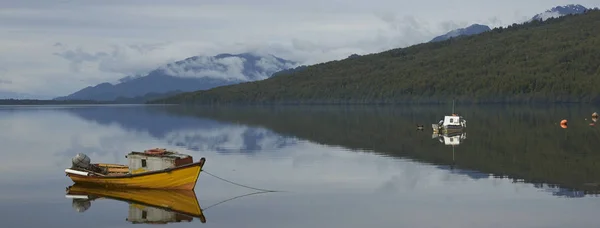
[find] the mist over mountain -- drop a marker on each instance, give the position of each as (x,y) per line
(560,11)
(191,74)
(471,30)
(475,29)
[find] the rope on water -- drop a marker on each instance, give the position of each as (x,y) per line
(223,201)
(241,185)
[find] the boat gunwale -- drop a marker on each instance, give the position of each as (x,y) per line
(100,195)
(131,175)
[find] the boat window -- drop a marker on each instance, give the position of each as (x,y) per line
(451,120)
(143,162)
(144,213)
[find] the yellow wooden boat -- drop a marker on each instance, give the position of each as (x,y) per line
(155,168)
(151,206)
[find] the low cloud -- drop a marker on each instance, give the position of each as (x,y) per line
(118,59)
(3,75)
(230,68)
(78,56)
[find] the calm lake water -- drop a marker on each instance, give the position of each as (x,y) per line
(334,166)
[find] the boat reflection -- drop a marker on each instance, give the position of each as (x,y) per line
(150,206)
(451,139)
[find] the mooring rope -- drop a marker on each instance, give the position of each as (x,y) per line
(223,201)
(241,185)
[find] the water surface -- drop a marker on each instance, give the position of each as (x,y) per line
(335,166)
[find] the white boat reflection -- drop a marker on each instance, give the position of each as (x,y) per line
(451,139)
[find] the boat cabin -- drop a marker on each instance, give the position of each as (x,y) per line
(451,120)
(451,140)
(156,159)
(139,214)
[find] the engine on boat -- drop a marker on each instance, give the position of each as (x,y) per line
(81,161)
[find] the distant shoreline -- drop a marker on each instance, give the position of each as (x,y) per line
(424,103)
(32,102)
(25,102)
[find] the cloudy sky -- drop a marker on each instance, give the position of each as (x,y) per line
(56,47)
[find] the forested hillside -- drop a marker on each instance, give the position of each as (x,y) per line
(557,60)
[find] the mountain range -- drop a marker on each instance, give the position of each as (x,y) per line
(560,11)
(206,72)
(475,29)
(191,74)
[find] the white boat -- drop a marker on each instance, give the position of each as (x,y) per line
(451,122)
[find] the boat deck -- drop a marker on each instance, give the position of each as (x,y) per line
(114,169)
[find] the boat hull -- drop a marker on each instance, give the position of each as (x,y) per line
(182,177)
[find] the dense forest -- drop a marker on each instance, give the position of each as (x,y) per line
(540,61)
(521,142)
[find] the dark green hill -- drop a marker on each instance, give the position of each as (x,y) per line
(557,60)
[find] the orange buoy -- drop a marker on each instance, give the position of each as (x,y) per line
(563,123)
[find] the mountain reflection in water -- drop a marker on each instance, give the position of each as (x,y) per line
(519,142)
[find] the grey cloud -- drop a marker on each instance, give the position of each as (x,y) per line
(230,68)
(121,59)
(145,48)
(452,25)
(270,64)
(78,56)
(3,75)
